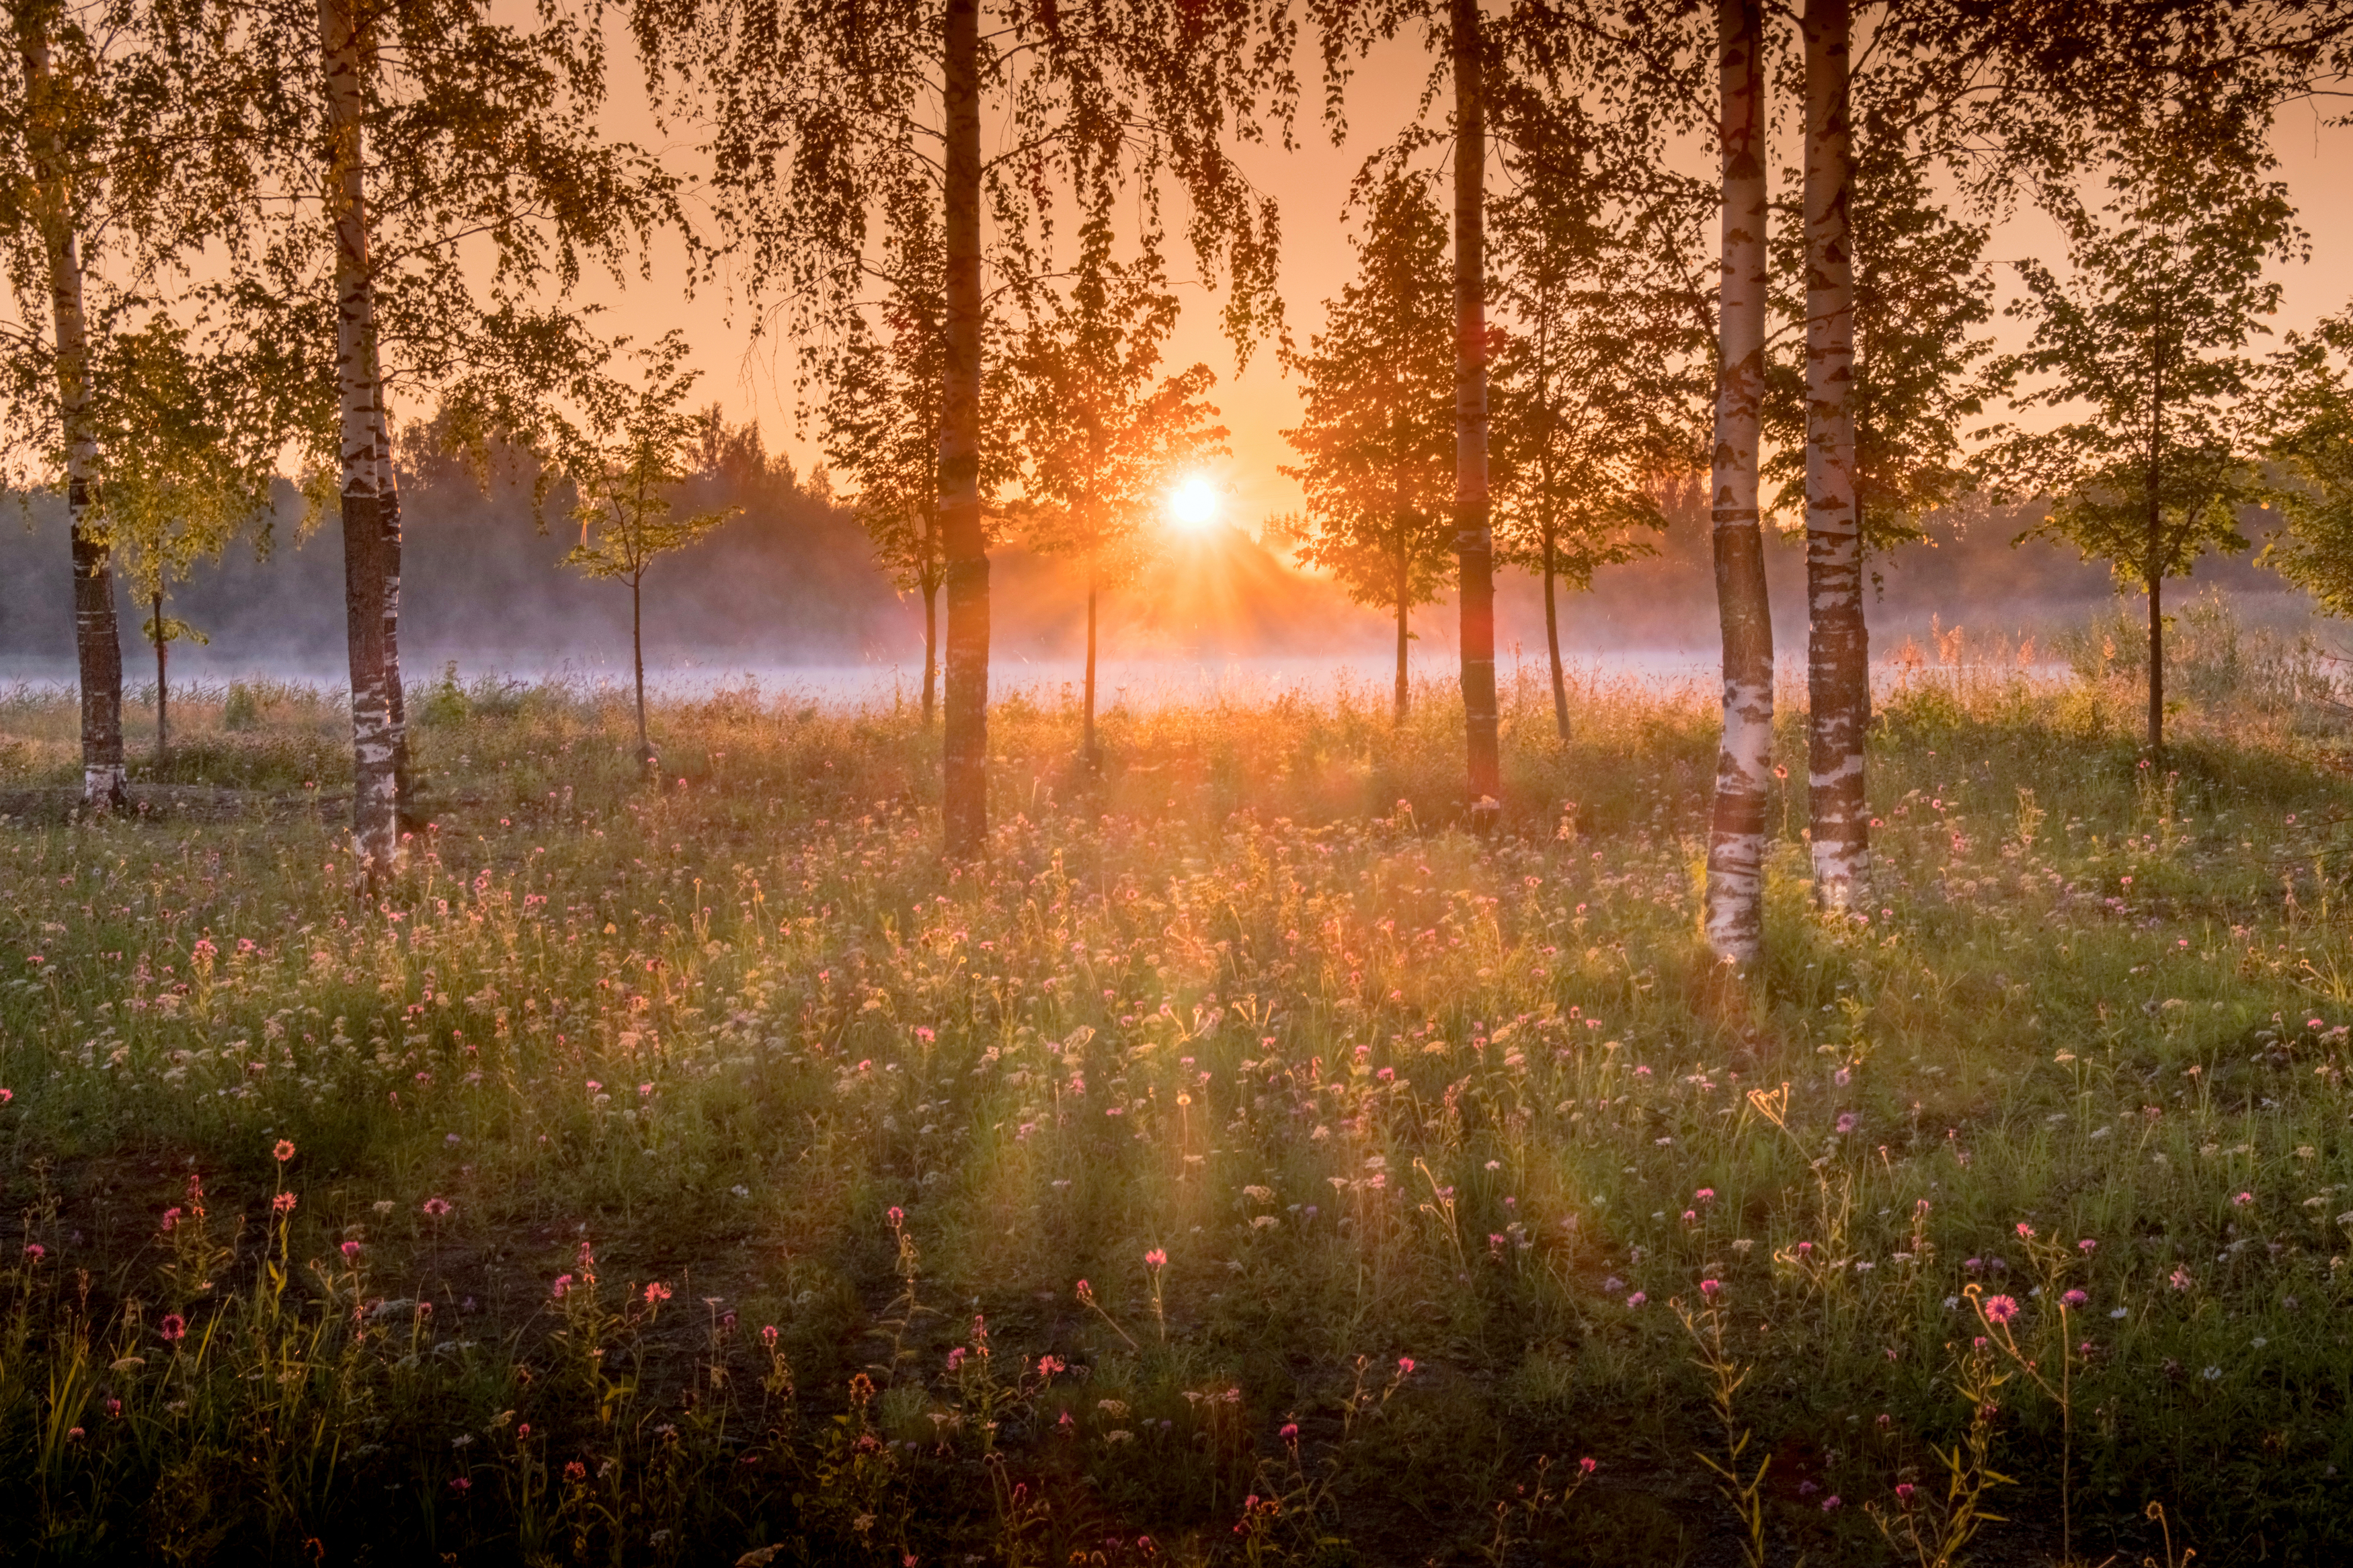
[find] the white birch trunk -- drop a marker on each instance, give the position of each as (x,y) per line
(1736,849)
(1838,666)
(98,637)
(367,571)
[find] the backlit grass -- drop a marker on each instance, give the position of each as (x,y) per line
(1243,1164)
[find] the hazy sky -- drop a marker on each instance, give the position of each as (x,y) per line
(1311,183)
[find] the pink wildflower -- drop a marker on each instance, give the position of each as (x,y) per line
(172,1327)
(285,1149)
(436,1208)
(2001,1308)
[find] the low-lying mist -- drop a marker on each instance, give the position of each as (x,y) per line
(791,586)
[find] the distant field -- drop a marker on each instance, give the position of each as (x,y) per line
(1243,1166)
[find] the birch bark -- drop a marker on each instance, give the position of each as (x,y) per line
(371,548)
(98,637)
(964,737)
(1473,535)
(1735,850)
(1838,666)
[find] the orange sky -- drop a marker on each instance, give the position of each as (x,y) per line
(1310,184)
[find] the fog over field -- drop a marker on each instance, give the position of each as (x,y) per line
(789,592)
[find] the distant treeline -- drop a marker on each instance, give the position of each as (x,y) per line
(794,580)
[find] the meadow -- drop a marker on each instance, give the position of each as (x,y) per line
(1243,1165)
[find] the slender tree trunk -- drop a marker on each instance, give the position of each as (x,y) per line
(2155,502)
(1552,642)
(97,639)
(1474,545)
(1837,663)
(1088,748)
(930,646)
(2155,576)
(1404,583)
(388,489)
(163,696)
(964,744)
(1736,849)
(375,740)
(638,662)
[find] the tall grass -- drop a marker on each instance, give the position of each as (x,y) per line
(1243,1164)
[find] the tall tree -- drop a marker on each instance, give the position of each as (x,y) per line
(1595,376)
(2307,422)
(820,109)
(395,214)
(1838,647)
(1455,35)
(2143,347)
(1475,542)
(1735,850)
(884,375)
(62,146)
(1103,432)
(182,463)
(625,455)
(1376,438)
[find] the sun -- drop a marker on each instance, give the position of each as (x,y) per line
(1193,504)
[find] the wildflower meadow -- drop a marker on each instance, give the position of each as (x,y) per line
(1241,1164)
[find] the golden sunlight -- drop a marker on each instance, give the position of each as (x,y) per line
(1193,504)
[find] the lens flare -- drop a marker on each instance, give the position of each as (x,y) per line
(1193,504)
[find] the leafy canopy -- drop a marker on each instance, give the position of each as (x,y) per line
(1104,433)
(1377,438)
(2141,347)
(629,446)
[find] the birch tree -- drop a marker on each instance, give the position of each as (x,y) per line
(61,143)
(882,374)
(1376,436)
(399,212)
(1838,647)
(625,453)
(2142,347)
(818,110)
(1455,32)
(2308,423)
(1735,851)
(1103,431)
(1596,374)
(182,464)
(881,428)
